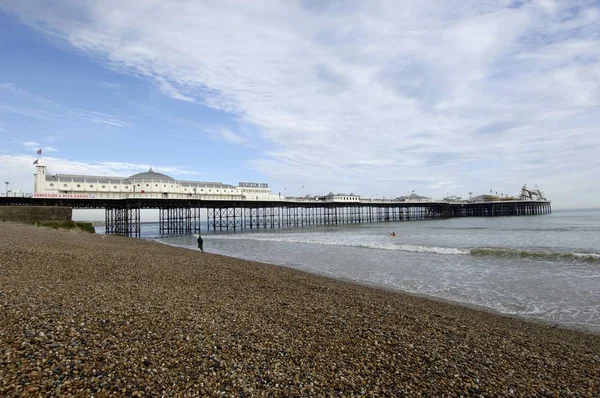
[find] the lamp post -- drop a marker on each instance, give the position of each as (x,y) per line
(7,182)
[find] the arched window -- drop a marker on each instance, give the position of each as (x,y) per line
(78,185)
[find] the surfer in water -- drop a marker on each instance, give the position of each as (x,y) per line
(393,235)
(200,243)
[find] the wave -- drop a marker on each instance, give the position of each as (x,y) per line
(536,254)
(351,243)
(555,229)
(477,251)
(425,249)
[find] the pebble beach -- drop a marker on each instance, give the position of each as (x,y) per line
(95,315)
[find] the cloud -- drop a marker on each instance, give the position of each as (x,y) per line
(481,93)
(229,136)
(57,111)
(12,88)
(110,85)
(32,113)
(20,169)
(99,117)
(36,145)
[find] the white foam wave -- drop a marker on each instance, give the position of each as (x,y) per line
(587,256)
(370,242)
(350,242)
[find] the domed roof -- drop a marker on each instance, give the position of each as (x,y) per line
(151,175)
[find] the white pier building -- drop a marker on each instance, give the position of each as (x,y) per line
(149,184)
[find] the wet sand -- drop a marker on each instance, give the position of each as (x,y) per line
(105,315)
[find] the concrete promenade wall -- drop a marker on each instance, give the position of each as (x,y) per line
(35,213)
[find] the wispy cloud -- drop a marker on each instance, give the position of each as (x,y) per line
(12,88)
(20,167)
(99,117)
(32,113)
(464,91)
(31,145)
(110,85)
(229,136)
(57,111)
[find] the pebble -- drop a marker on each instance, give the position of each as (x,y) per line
(87,315)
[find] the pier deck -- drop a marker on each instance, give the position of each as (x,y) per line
(185,216)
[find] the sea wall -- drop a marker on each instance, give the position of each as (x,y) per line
(35,213)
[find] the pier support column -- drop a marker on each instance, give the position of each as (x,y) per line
(178,220)
(123,221)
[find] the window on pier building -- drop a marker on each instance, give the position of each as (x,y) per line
(78,185)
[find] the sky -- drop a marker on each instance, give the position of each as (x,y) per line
(376,98)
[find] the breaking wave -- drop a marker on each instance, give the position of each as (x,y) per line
(539,254)
(479,251)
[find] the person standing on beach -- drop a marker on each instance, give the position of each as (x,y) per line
(200,243)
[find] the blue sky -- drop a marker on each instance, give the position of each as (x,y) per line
(376,98)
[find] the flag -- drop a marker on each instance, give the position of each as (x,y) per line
(39,151)
(36,161)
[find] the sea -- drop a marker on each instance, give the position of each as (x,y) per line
(543,267)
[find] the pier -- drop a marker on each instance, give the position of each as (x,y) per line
(188,216)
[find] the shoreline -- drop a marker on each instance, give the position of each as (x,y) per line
(88,314)
(584,328)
